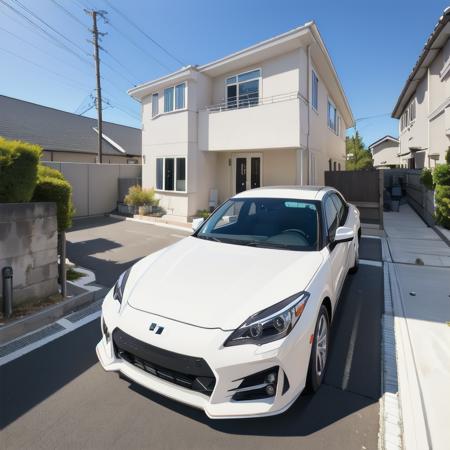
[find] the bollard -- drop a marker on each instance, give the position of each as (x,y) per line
(7,275)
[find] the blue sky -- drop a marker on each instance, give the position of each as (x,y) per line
(373,44)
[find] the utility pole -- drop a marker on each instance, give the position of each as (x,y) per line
(96,34)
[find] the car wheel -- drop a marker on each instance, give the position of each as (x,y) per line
(355,267)
(319,351)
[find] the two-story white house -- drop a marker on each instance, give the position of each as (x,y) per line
(423,107)
(272,114)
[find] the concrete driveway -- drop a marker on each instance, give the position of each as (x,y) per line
(58,395)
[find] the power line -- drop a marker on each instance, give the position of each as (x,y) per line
(66,79)
(142,49)
(48,35)
(31,13)
(69,13)
(121,65)
(143,32)
(20,38)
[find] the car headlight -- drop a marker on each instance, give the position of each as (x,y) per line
(119,287)
(271,323)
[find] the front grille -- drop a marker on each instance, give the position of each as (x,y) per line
(187,371)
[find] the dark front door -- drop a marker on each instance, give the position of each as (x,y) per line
(241,174)
(255,180)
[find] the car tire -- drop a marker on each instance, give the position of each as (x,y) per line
(319,351)
(355,267)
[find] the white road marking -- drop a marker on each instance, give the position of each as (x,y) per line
(369,262)
(68,327)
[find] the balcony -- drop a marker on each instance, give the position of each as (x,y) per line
(251,124)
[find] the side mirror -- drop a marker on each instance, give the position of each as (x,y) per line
(196,223)
(343,234)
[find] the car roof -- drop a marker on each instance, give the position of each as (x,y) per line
(295,192)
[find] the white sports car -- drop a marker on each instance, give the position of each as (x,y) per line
(235,319)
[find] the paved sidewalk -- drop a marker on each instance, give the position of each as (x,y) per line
(420,286)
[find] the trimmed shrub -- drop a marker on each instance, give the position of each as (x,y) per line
(441,175)
(426,178)
(53,187)
(18,170)
(45,171)
(447,156)
(442,211)
(139,197)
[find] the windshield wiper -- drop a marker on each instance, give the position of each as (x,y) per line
(208,238)
(268,245)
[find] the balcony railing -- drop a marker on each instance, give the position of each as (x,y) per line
(250,100)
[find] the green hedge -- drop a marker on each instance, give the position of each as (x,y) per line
(45,171)
(426,178)
(59,191)
(442,211)
(18,170)
(441,175)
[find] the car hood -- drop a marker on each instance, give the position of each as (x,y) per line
(216,285)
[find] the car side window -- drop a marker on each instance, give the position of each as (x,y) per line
(331,214)
(340,208)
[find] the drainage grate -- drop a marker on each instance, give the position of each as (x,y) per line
(78,315)
(30,339)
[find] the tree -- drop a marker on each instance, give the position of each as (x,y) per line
(358,157)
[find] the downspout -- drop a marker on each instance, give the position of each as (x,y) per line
(308,64)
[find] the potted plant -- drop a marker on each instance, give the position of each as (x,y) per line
(140,200)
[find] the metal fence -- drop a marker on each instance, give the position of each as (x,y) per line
(418,196)
(96,188)
(362,188)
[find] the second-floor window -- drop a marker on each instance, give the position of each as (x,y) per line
(315,91)
(242,90)
(412,110)
(332,117)
(174,97)
(155,106)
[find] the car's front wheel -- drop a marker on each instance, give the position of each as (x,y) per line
(319,351)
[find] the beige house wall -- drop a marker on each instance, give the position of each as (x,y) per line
(385,154)
(430,130)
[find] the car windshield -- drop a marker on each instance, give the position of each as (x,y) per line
(264,222)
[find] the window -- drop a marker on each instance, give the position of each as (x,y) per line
(412,111)
(340,207)
(168,99)
(155,106)
(179,96)
(171,174)
(315,91)
(332,123)
(242,90)
(332,216)
(277,223)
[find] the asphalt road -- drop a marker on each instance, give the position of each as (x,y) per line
(57,396)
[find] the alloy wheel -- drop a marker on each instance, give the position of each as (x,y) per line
(321,345)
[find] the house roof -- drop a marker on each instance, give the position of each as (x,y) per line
(58,130)
(283,43)
(433,45)
(383,139)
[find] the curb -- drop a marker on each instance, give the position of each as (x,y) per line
(48,315)
(156,224)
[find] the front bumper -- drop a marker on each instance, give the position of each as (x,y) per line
(228,364)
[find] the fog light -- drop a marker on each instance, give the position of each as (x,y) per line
(271,378)
(270,390)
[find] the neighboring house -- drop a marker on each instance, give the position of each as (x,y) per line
(424,103)
(67,137)
(385,152)
(272,114)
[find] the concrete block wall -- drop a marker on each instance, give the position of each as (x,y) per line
(28,243)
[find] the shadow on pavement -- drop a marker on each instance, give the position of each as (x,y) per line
(92,222)
(27,381)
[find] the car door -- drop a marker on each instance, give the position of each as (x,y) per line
(337,252)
